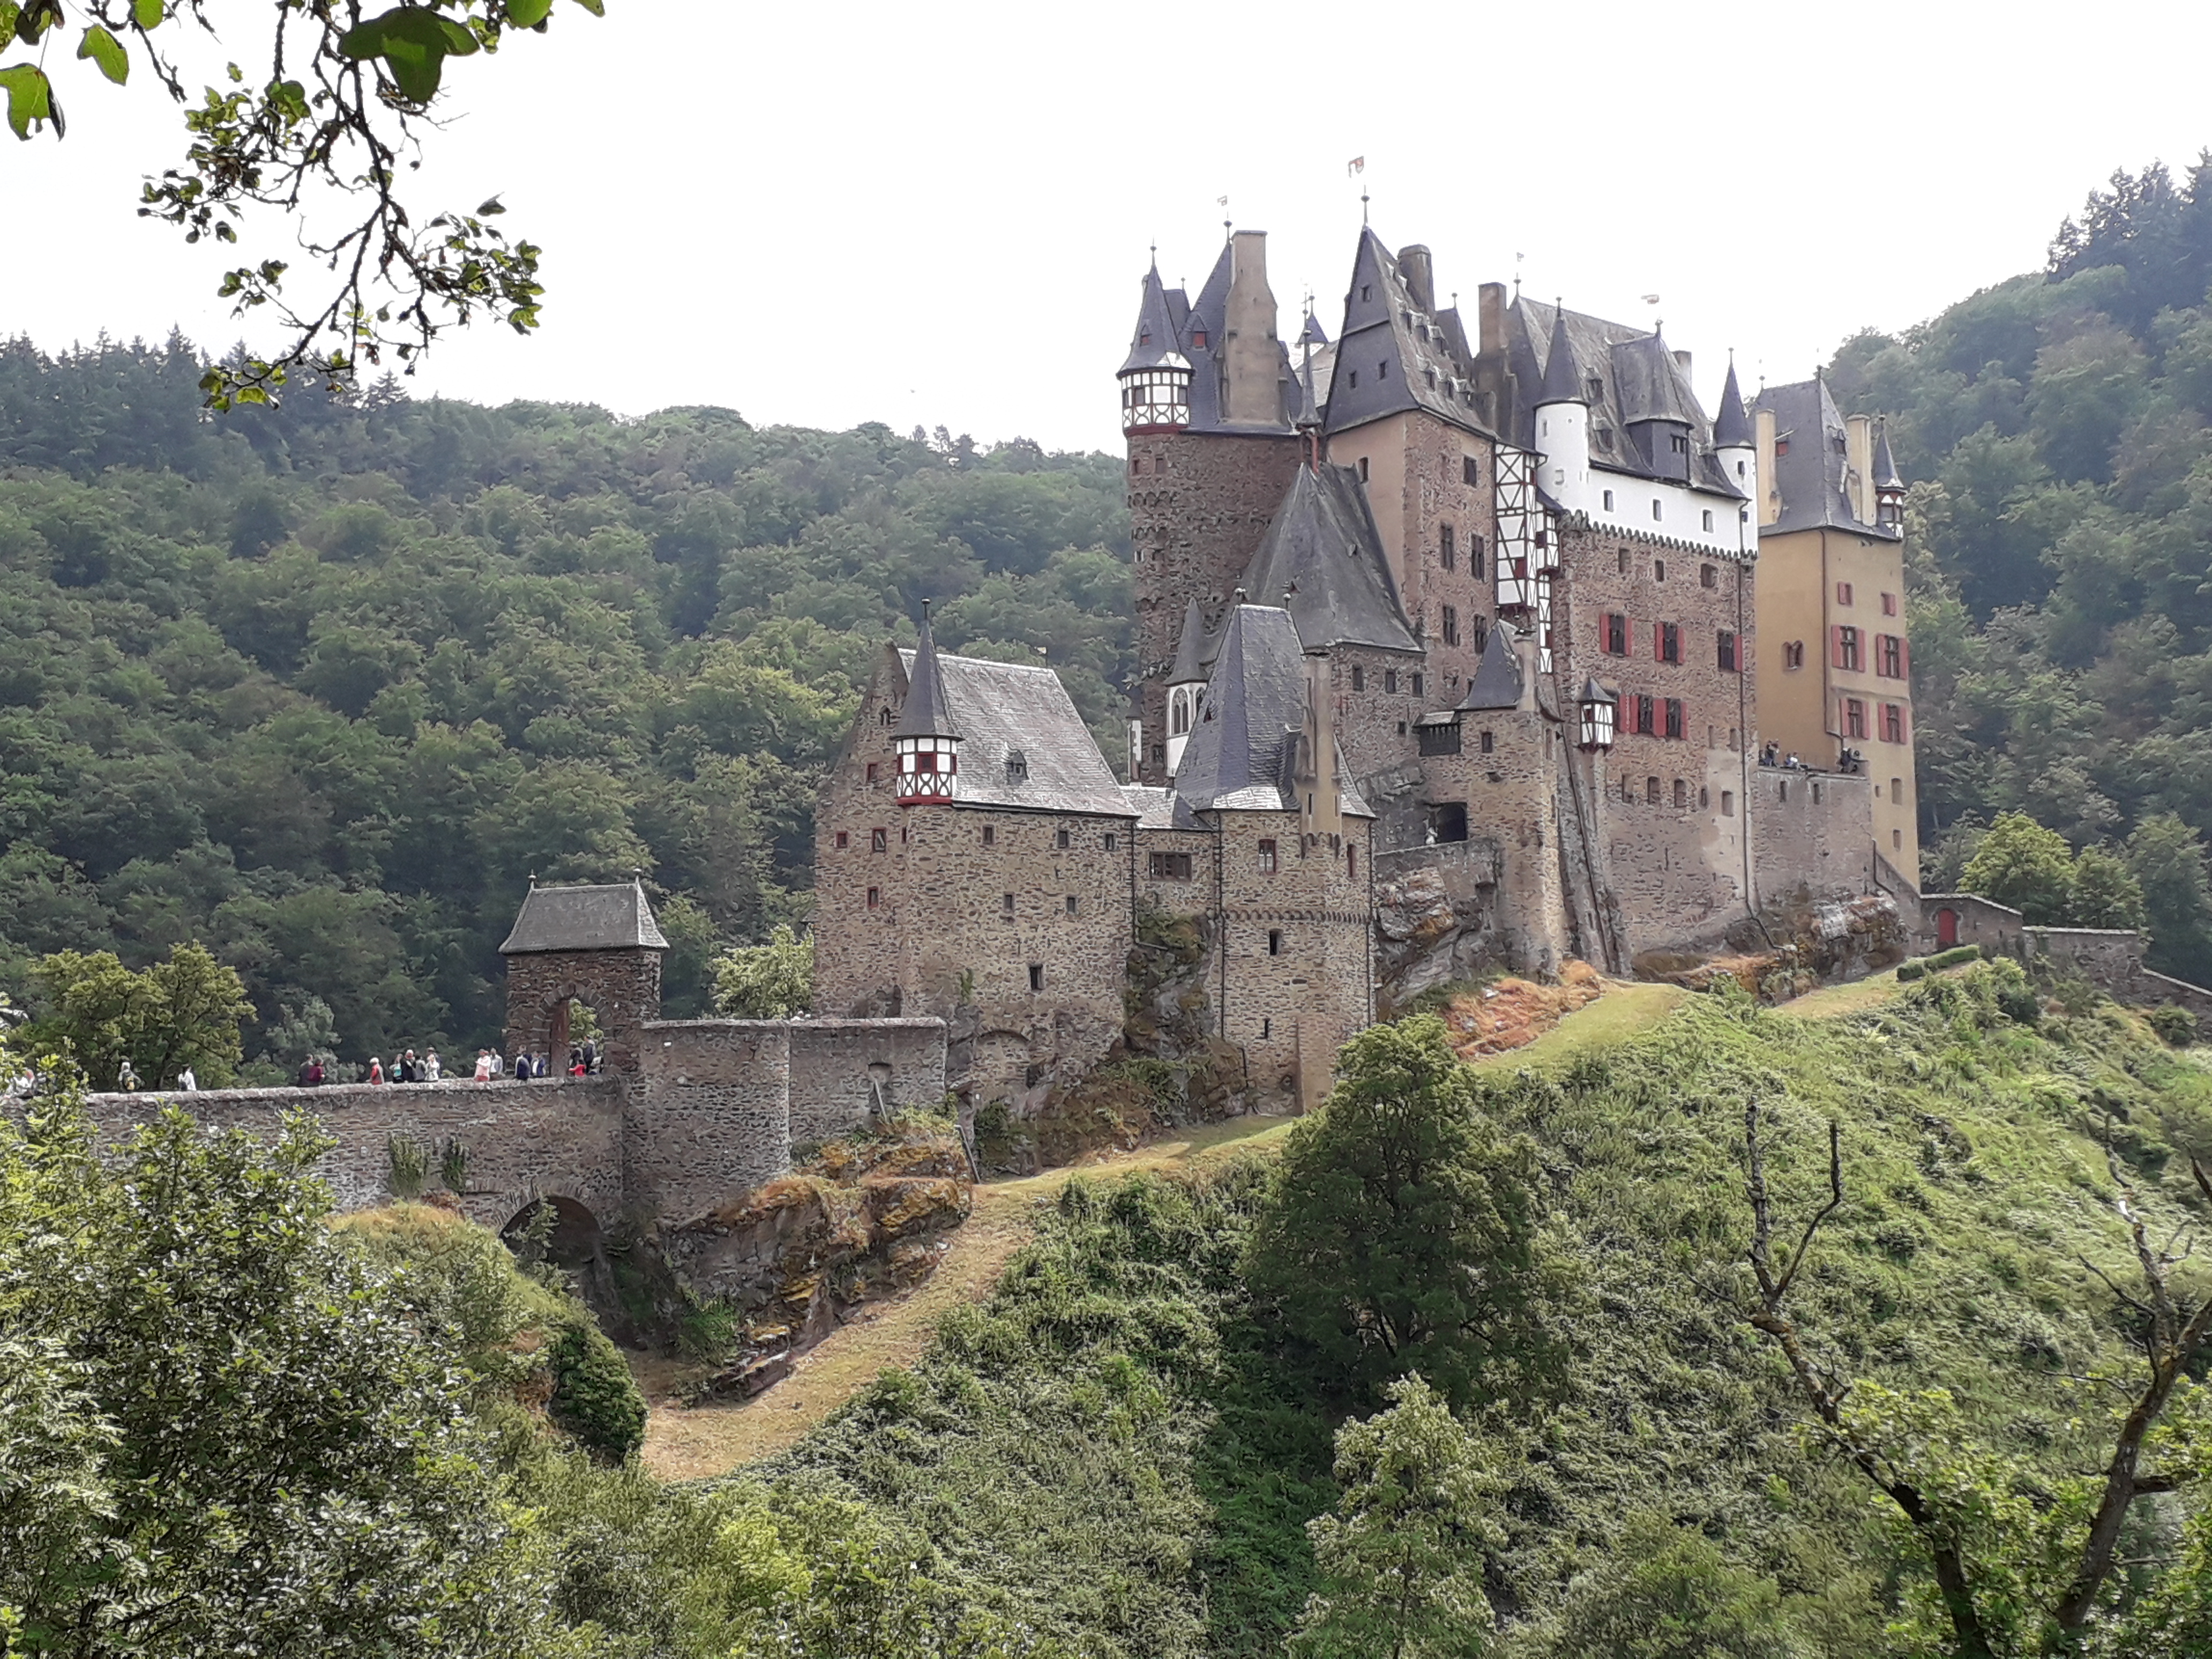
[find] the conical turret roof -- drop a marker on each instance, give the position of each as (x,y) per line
(1885,475)
(1561,384)
(1495,682)
(1322,560)
(1191,658)
(1153,344)
(1731,424)
(925,714)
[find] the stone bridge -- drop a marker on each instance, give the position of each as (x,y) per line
(683,1116)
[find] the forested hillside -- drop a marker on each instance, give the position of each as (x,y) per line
(2061,540)
(322,686)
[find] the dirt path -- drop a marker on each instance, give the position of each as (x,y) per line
(693,1443)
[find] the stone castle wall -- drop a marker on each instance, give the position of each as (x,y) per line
(843,1071)
(621,988)
(1813,835)
(551,1137)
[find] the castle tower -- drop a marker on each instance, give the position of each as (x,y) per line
(1736,445)
(1156,376)
(924,741)
(598,946)
(1563,421)
(1888,486)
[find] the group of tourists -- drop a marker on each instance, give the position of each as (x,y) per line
(491,1067)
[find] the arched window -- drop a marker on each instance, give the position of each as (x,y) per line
(1179,712)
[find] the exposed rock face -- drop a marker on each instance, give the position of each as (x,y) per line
(1432,926)
(865,1219)
(1795,947)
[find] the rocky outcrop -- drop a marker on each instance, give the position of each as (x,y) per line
(1434,923)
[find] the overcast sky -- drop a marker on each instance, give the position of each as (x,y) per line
(823,215)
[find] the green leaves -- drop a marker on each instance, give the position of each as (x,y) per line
(527,13)
(105,50)
(147,13)
(30,98)
(414,43)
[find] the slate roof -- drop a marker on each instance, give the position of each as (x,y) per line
(1194,649)
(924,713)
(1885,475)
(1732,426)
(1322,560)
(1810,477)
(1242,754)
(1393,353)
(615,917)
(1205,315)
(1636,380)
(1154,343)
(1154,808)
(1495,682)
(1561,385)
(1002,709)
(1313,333)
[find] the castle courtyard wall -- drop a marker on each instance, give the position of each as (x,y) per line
(1814,835)
(840,1069)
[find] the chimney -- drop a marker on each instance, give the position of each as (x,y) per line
(1251,388)
(1491,303)
(1858,456)
(1421,276)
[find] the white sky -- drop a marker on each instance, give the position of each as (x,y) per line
(823,215)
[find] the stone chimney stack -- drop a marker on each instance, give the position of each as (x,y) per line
(1420,276)
(1251,385)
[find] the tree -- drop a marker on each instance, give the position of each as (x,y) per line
(2167,857)
(346,101)
(1401,1555)
(243,1443)
(1667,1592)
(2106,891)
(774,980)
(1401,1230)
(2008,1577)
(2021,864)
(184,1011)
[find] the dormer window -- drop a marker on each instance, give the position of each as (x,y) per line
(1782,446)
(1605,439)
(1594,389)
(1017,767)
(1198,339)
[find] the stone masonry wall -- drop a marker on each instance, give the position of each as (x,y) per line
(621,987)
(838,1065)
(1374,719)
(1814,831)
(1507,788)
(856,943)
(711,1115)
(1199,504)
(548,1137)
(1435,493)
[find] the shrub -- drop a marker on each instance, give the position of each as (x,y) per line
(2177,1026)
(594,1397)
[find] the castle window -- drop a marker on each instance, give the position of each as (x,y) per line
(1628,791)
(1198,339)
(1674,717)
(1383,369)
(1363,459)
(1006,904)
(1709,524)
(1354,383)
(1071,904)
(1616,635)
(844,839)
(1417,685)
(1475,550)
(1896,839)
(1366,291)
(1650,791)
(871,771)
(1892,722)
(1727,651)
(1889,656)
(1846,649)
(1136,465)
(1488,742)
(1855,718)
(875,897)
(1444,551)
(1666,642)
(1179,710)
(1793,654)
(1896,790)
(1442,738)
(1622,559)
(1646,715)
(1658,570)
(1432,376)
(1036,977)
(1351,862)
(1470,470)
(1401,728)
(1843,593)
(879,841)
(1658,509)
(1390,679)
(1609,501)
(1604,443)
(1727,803)
(1889,604)
(1267,1030)
(1708,577)
(1267,858)
(1060,840)
(1781,789)
(1705,796)
(1782,446)
(1274,941)
(882,717)
(1681,794)
(990,835)
(1451,625)
(1358,678)
(906,832)
(1112,841)
(1595,389)
(1170,866)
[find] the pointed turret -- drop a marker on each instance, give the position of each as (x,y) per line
(1561,385)
(1313,334)
(1155,376)
(925,740)
(1735,445)
(1888,484)
(1563,422)
(1495,682)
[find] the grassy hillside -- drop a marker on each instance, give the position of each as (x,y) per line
(1110,1450)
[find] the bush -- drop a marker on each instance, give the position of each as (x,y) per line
(1921,967)
(2176,1026)
(594,1397)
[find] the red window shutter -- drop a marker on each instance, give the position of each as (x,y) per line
(1904,658)
(1658,641)
(1836,645)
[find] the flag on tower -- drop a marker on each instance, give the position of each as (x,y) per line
(1357,164)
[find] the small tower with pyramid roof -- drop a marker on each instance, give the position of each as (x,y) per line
(925,741)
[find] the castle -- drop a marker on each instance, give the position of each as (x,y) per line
(1448,656)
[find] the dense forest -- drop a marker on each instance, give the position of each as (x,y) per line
(322,685)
